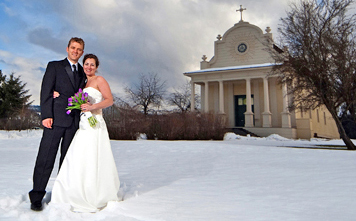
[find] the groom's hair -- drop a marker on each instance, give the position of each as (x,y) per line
(78,40)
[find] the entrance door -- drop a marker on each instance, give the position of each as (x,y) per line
(240,109)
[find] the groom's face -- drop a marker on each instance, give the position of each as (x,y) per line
(75,51)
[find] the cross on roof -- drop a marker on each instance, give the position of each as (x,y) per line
(241,10)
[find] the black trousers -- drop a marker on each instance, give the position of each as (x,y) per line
(46,157)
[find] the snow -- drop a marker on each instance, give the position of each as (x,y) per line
(233,68)
(240,178)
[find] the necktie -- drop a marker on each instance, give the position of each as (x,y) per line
(75,73)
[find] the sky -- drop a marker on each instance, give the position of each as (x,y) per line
(130,37)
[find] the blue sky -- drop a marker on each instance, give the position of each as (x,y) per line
(130,37)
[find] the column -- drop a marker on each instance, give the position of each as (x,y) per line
(286,122)
(221,97)
(248,113)
(267,122)
(192,96)
(206,97)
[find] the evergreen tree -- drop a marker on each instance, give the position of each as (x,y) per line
(2,81)
(13,96)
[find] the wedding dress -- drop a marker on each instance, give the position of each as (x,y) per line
(88,177)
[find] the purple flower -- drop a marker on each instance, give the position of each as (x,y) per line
(70,99)
(68,111)
(70,104)
(83,98)
(85,94)
(80,90)
(75,99)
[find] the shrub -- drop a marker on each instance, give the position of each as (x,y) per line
(28,119)
(127,124)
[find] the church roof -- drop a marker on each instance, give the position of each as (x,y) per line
(232,68)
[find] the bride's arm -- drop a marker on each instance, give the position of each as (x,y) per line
(104,88)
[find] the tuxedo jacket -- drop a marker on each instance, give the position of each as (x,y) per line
(59,77)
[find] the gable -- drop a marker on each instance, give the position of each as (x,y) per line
(243,44)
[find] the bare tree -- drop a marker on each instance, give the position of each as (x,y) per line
(181,98)
(149,92)
(320,65)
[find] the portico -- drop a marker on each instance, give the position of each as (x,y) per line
(242,95)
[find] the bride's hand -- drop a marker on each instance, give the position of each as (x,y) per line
(86,107)
(55,94)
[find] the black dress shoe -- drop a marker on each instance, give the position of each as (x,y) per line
(36,206)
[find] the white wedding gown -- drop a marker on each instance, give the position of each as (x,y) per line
(88,177)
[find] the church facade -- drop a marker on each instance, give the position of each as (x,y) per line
(237,84)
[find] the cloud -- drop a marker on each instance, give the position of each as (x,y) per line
(9,12)
(44,37)
(29,70)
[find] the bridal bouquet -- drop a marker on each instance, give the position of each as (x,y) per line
(78,99)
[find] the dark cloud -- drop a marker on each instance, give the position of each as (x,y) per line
(44,37)
(41,69)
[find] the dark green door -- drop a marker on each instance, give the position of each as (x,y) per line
(240,109)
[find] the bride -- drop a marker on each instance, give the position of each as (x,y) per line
(88,177)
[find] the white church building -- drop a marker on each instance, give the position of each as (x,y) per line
(236,83)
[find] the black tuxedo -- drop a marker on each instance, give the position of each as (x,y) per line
(58,77)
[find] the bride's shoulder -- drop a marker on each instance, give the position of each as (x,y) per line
(100,78)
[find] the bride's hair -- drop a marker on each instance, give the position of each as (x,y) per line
(93,56)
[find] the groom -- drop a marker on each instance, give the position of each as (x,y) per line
(66,77)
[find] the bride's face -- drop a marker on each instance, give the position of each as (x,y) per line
(90,67)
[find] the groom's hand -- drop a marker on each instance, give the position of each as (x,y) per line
(47,122)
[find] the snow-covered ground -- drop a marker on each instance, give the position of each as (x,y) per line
(240,178)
